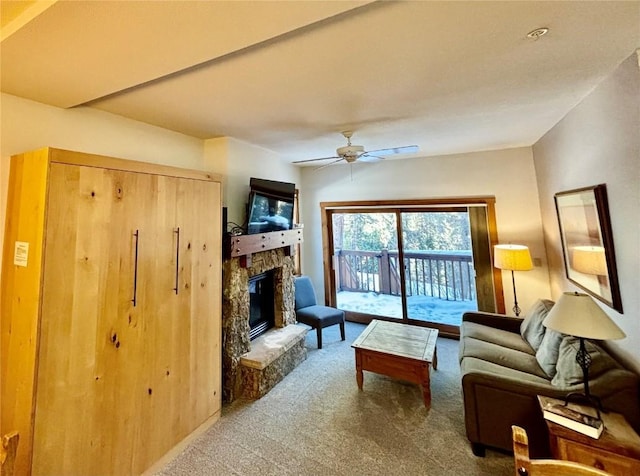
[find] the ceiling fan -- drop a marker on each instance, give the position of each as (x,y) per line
(356,153)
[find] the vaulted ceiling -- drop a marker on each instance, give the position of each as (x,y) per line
(450,77)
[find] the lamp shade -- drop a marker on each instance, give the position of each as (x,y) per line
(589,260)
(577,314)
(512,257)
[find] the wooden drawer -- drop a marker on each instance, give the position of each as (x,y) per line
(598,458)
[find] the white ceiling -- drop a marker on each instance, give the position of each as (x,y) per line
(451,77)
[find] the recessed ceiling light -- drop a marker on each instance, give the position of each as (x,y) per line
(537,33)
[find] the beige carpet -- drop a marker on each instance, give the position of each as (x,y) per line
(317,422)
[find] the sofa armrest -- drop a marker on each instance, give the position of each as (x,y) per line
(497,321)
(492,403)
(495,398)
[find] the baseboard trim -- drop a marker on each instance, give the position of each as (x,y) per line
(177,449)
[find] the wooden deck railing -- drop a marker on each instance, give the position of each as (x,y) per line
(443,275)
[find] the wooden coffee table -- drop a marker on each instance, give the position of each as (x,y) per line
(399,351)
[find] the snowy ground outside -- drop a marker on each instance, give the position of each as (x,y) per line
(423,308)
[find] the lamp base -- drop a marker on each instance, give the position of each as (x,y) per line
(516,308)
(583,359)
(589,400)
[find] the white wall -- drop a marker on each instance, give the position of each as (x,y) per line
(599,142)
(27,125)
(506,174)
(237,162)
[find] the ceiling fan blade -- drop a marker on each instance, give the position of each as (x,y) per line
(407,149)
(315,160)
(366,157)
(329,164)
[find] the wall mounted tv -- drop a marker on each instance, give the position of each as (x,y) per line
(270,206)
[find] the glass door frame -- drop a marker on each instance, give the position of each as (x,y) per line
(327,210)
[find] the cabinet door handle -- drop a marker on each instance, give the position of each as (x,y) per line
(135,270)
(177,232)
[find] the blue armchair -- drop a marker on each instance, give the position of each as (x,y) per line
(309,312)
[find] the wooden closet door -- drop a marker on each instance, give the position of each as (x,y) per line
(183,320)
(199,213)
(87,402)
(156,432)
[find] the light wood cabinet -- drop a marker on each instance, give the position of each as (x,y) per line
(111,324)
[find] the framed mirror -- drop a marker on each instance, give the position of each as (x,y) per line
(587,243)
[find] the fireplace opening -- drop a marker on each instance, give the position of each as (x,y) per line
(261,304)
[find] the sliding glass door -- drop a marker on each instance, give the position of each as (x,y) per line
(419,265)
(366,263)
(438,266)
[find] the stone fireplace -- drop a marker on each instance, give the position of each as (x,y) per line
(252,368)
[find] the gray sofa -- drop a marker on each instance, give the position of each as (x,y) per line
(506,362)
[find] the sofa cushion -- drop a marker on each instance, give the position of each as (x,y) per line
(547,354)
(569,372)
(495,336)
(491,370)
(531,328)
(505,357)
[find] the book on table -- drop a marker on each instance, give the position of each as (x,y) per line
(559,412)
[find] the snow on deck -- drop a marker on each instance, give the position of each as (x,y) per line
(423,308)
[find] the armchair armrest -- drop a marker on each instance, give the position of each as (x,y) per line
(497,321)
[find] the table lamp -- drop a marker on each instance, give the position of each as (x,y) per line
(512,258)
(577,314)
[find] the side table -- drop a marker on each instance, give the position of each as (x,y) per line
(617,451)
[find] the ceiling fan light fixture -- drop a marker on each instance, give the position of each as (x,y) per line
(352,151)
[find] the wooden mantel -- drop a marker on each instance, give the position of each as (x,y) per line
(246,245)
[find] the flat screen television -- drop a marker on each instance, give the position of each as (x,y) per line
(270,206)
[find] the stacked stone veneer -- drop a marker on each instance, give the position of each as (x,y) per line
(255,380)
(272,357)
